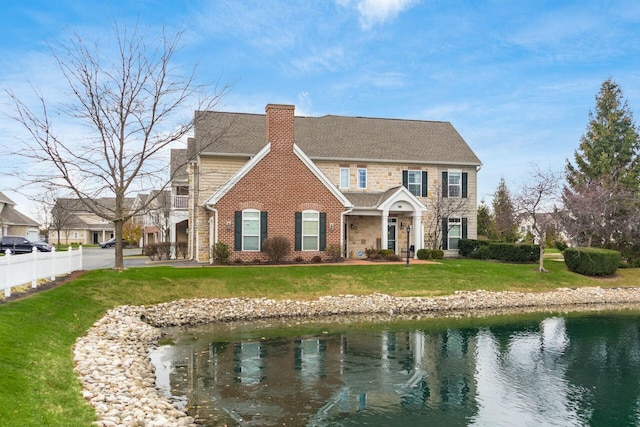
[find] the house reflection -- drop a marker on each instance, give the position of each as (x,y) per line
(309,381)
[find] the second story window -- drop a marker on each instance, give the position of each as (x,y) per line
(415,182)
(362,178)
(344,177)
(455,184)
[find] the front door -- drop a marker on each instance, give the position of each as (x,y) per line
(392,234)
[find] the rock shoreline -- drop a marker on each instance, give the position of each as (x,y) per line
(118,378)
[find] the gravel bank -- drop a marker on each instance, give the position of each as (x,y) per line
(118,378)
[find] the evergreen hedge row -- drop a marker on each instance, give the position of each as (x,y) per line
(511,252)
(592,261)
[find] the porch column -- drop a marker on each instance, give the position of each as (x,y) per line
(384,238)
(418,236)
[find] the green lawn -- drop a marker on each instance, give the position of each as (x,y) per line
(38,385)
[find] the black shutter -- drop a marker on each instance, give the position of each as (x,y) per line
(263,227)
(298,232)
(238,231)
(405,179)
(424,184)
(464,228)
(323,231)
(445,184)
(445,232)
(464,184)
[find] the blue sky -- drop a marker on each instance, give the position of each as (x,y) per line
(516,78)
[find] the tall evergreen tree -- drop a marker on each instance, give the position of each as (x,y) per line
(609,148)
(504,213)
(486,223)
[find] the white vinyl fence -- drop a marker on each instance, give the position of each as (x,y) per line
(17,270)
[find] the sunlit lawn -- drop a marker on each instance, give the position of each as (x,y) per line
(38,385)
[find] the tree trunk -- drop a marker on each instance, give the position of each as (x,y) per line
(119,261)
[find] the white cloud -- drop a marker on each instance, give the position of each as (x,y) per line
(374,12)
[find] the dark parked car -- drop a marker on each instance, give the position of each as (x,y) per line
(108,244)
(42,246)
(16,244)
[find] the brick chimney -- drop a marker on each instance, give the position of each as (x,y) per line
(280,126)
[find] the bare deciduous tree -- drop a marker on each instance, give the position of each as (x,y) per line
(440,208)
(601,212)
(536,201)
(134,105)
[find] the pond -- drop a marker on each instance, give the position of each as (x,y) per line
(527,370)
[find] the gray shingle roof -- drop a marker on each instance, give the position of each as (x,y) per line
(339,138)
(10,216)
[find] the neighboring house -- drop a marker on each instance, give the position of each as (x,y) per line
(179,214)
(73,222)
(348,182)
(154,221)
(544,219)
(14,223)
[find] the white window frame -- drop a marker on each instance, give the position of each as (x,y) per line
(451,223)
(244,229)
(311,217)
(344,180)
(362,178)
(418,184)
(457,187)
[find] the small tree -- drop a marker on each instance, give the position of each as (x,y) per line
(504,213)
(440,208)
(536,201)
(486,222)
(133,103)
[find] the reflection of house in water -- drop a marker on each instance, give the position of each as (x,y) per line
(310,381)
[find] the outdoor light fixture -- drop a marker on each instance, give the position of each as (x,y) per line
(331,226)
(228,225)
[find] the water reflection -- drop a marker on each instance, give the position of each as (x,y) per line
(549,371)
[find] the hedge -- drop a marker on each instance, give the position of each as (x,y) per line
(430,254)
(511,252)
(592,261)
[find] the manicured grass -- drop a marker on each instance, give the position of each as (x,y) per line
(39,388)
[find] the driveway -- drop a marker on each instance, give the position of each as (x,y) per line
(97,258)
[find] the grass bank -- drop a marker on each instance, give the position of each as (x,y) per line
(38,385)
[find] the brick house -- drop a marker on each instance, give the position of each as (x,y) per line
(351,182)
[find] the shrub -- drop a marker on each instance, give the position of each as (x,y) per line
(220,253)
(424,254)
(277,248)
(483,252)
(385,252)
(316,259)
(182,249)
(164,250)
(371,252)
(334,253)
(151,250)
(514,252)
(466,247)
(238,261)
(592,261)
(437,253)
(561,246)
(299,259)
(392,257)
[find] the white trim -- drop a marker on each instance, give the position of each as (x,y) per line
(243,234)
(416,205)
(302,234)
(321,176)
(231,182)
